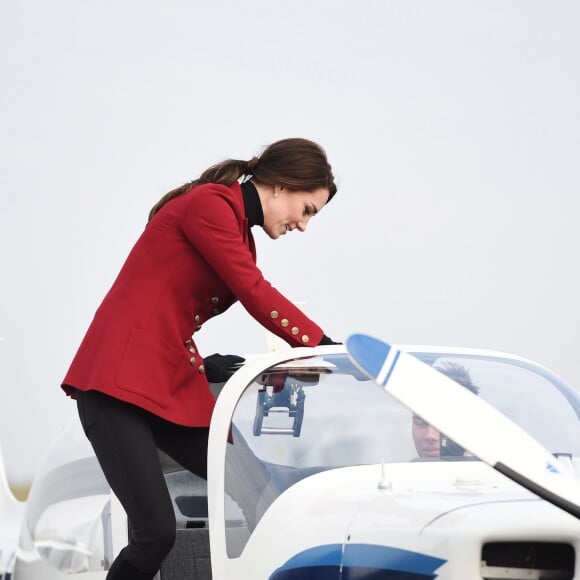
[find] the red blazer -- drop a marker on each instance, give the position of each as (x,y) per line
(193,261)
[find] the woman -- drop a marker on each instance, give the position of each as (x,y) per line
(139,381)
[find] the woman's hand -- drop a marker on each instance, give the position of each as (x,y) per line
(220,367)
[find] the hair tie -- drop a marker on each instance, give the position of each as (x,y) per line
(252,164)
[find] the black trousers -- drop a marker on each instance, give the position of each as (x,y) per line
(126,439)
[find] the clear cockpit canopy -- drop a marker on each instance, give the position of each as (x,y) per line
(318,413)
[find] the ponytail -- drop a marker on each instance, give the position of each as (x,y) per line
(297,164)
(226,173)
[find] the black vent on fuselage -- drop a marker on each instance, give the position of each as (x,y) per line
(555,559)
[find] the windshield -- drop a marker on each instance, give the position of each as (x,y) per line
(318,413)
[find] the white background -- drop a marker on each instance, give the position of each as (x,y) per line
(453,128)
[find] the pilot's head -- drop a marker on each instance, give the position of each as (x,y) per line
(427,439)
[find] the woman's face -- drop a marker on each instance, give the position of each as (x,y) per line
(286,211)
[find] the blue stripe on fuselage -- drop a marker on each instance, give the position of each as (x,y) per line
(360,562)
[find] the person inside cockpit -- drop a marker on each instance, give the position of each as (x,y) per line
(429,442)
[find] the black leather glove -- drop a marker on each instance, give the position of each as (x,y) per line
(326,340)
(220,367)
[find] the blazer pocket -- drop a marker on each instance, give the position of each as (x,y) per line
(149,366)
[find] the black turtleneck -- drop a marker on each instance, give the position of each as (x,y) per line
(252,204)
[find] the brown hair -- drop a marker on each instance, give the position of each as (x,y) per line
(297,164)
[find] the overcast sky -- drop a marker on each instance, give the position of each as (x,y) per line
(453,128)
